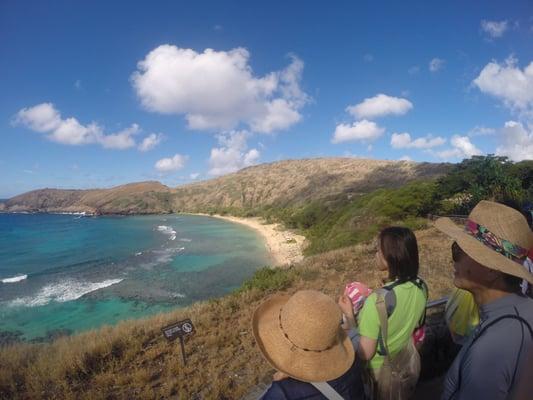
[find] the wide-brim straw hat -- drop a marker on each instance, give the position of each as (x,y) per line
(301,335)
(503,224)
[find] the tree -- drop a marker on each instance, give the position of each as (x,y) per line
(481,178)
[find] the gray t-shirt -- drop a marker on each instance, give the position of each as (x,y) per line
(490,365)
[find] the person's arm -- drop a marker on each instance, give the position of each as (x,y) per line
(367,348)
(368,329)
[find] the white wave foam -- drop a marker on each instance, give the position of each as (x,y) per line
(167,230)
(185,240)
(166,256)
(63,291)
(14,279)
(138,253)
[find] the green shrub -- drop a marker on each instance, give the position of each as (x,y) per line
(269,279)
(483,178)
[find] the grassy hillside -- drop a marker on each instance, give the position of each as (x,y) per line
(347,218)
(133,360)
(298,182)
(280,184)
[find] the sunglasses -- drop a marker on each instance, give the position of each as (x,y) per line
(457,252)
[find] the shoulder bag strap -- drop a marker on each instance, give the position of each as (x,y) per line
(326,389)
(477,335)
(382,314)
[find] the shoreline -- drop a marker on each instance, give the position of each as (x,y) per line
(284,246)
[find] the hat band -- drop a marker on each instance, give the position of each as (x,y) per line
(507,249)
(294,345)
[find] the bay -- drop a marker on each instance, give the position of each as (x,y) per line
(68,273)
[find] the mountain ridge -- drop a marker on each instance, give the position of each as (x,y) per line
(281,183)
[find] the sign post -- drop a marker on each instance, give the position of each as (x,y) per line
(180,330)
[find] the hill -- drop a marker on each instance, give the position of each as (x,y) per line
(284,183)
(133,198)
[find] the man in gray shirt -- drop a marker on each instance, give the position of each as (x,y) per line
(487,366)
(488,255)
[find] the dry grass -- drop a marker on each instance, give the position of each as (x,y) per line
(133,360)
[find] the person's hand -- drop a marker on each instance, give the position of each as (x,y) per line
(278,376)
(346,305)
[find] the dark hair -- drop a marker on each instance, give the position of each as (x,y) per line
(512,282)
(524,209)
(400,250)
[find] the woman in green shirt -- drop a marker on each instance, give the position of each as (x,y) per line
(405,297)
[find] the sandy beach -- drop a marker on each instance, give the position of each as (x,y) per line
(285,247)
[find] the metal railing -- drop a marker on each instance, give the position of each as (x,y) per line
(436,303)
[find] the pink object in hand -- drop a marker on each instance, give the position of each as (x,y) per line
(419,334)
(357,292)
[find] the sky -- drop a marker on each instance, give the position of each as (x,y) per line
(98,94)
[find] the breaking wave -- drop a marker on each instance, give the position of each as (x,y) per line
(67,290)
(14,279)
(167,230)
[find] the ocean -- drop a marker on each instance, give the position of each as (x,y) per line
(61,274)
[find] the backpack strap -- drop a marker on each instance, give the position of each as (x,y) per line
(389,296)
(424,287)
(326,390)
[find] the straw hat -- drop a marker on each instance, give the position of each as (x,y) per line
(301,336)
(496,236)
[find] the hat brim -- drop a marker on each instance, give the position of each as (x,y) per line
(479,252)
(307,366)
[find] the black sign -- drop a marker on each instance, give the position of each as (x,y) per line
(178,330)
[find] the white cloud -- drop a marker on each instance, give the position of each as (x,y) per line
(150,141)
(405,158)
(462,148)
(218,90)
(363,130)
(481,131)
(40,118)
(436,64)
(404,141)
(508,83)
(379,106)
(368,57)
(517,142)
(232,155)
(495,29)
(279,116)
(121,140)
(77,84)
(194,175)
(44,118)
(171,164)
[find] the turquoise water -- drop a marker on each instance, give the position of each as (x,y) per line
(66,273)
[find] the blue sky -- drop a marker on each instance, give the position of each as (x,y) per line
(96,94)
